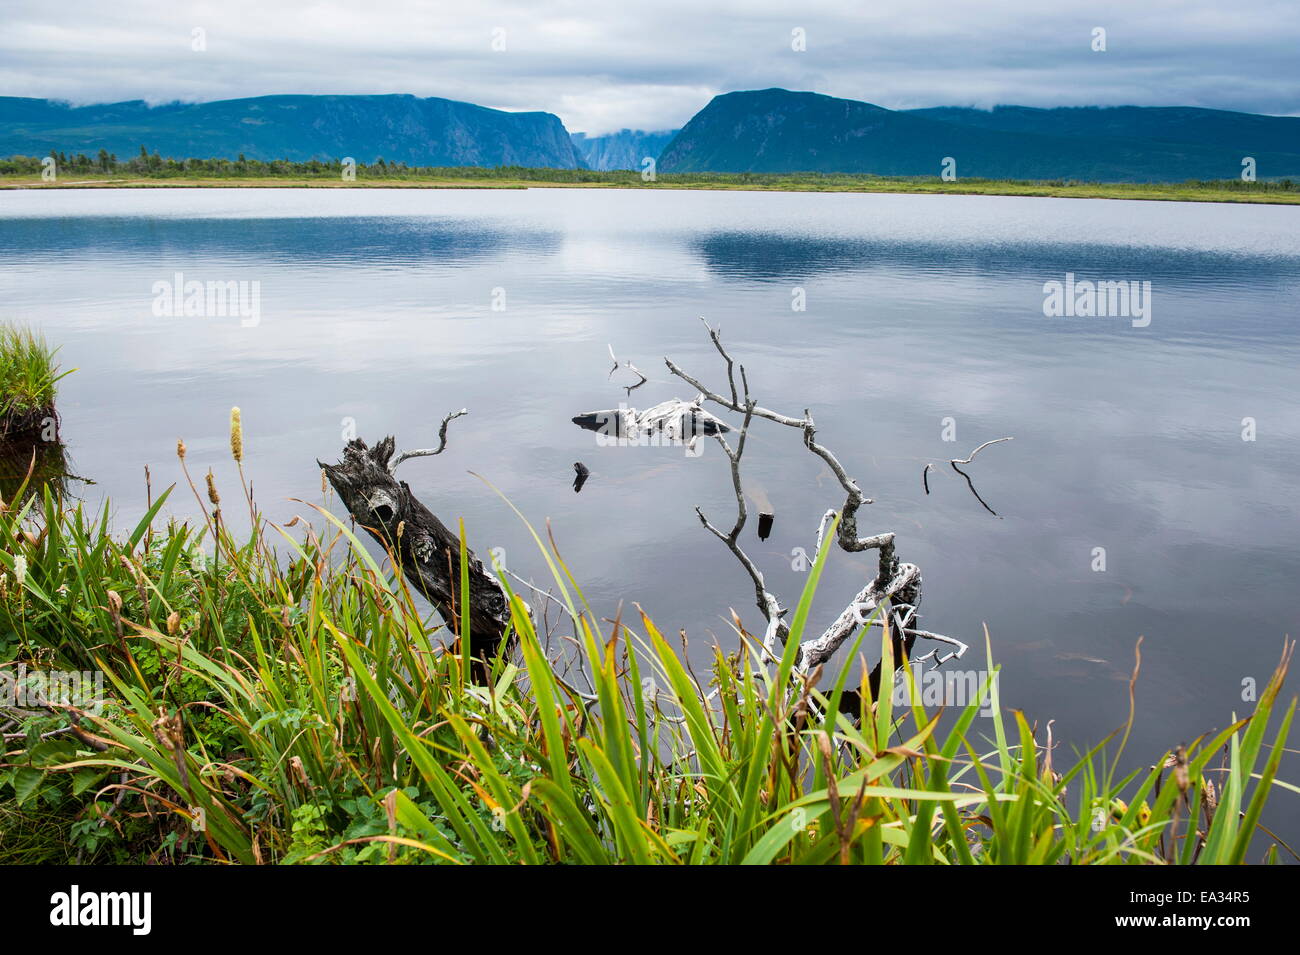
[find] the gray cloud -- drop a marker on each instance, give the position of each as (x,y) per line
(603,66)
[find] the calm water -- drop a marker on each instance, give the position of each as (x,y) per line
(376,306)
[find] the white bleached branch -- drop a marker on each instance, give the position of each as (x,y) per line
(895,582)
(630,367)
(427,452)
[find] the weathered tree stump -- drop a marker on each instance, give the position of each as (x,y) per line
(427,553)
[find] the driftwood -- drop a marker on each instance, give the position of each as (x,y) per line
(630,367)
(896,587)
(673,421)
(427,553)
(925,472)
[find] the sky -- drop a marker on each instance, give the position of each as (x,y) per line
(604,65)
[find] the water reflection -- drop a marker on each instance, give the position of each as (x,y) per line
(774,257)
(311,241)
(28,468)
(379,314)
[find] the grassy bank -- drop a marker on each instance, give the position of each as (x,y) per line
(24,173)
(280,697)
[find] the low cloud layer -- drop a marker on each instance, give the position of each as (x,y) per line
(603,66)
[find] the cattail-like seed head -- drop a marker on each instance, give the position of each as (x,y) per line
(173,623)
(1181,776)
(180,449)
(236,435)
(213,496)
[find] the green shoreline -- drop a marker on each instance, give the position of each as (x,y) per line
(1227,191)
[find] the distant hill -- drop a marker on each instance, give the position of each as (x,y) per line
(424,132)
(1248,133)
(778,130)
(626,149)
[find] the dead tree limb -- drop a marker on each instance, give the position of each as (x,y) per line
(767,603)
(925,472)
(971,457)
(897,583)
(426,452)
(630,367)
(427,553)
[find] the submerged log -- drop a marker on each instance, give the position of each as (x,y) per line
(426,551)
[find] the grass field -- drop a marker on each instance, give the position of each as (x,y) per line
(1283,193)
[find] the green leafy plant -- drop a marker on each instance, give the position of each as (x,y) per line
(297,706)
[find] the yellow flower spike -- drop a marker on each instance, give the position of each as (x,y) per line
(236,435)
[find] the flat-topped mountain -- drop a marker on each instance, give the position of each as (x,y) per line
(778,130)
(423,132)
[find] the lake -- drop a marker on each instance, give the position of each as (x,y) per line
(1128,504)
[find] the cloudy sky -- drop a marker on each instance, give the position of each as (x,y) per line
(604,65)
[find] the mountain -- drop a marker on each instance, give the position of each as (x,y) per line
(771,130)
(1247,133)
(424,132)
(778,130)
(626,149)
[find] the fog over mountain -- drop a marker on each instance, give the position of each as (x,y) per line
(626,149)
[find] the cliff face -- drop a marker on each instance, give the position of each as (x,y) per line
(782,131)
(626,149)
(426,132)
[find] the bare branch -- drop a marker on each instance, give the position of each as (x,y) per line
(630,367)
(925,473)
(716,398)
(978,450)
(848,529)
(442,442)
(971,485)
(715,334)
(934,654)
(897,584)
(821,529)
(905,585)
(766,602)
(937,637)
